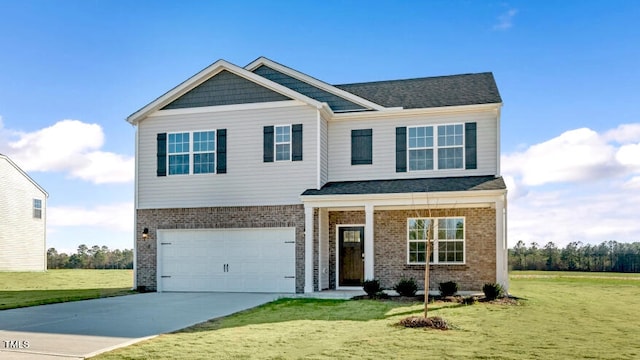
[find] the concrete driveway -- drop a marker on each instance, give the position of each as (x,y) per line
(80,329)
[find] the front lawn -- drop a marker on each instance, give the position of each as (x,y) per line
(20,289)
(560,318)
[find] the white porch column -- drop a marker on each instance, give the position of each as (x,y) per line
(368,242)
(308,249)
(502,275)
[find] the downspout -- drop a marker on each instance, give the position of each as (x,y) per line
(135,213)
(318,149)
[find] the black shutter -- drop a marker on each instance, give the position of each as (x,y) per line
(162,154)
(470,146)
(401,149)
(361,147)
(296,142)
(221,151)
(268,144)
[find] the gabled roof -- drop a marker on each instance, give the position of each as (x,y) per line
(422,185)
(310,86)
(5,157)
(454,90)
(278,82)
(205,75)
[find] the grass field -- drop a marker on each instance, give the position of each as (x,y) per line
(20,289)
(560,316)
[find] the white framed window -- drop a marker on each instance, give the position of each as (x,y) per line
(428,151)
(448,240)
(186,156)
(450,146)
(37,209)
(282,142)
(204,152)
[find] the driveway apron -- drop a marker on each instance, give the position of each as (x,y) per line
(80,329)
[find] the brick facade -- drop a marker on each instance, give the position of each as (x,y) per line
(213,218)
(390,247)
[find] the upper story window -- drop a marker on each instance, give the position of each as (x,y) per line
(37,209)
(283,142)
(204,152)
(178,153)
(187,157)
(428,152)
(447,237)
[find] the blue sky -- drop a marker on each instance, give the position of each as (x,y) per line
(568,73)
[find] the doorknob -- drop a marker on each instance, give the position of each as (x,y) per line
(362,256)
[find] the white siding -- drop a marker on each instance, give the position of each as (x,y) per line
(248,181)
(324,151)
(384,145)
(22,238)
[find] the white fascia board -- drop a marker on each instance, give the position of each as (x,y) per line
(227,108)
(435,199)
(313,81)
(205,75)
(23,173)
(399,112)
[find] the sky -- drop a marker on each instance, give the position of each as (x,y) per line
(568,73)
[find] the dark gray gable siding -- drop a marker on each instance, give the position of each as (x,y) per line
(335,102)
(454,90)
(461,183)
(225,88)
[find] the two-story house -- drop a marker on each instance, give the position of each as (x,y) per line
(23,229)
(264,179)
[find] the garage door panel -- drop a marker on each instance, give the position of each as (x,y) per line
(239,260)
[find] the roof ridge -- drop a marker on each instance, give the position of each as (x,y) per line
(416,78)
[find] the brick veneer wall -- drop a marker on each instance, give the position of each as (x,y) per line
(213,218)
(390,247)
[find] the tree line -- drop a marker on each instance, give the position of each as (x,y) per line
(94,257)
(576,256)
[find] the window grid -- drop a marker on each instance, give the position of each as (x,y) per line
(191,157)
(282,142)
(37,209)
(428,152)
(448,240)
(204,145)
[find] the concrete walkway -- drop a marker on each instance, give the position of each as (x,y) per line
(80,329)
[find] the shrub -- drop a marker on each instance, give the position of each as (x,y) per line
(406,287)
(492,291)
(371,287)
(469,300)
(448,288)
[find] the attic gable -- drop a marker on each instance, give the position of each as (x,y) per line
(225,88)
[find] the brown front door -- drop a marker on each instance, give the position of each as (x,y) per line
(351,255)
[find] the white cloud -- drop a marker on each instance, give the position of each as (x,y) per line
(70,146)
(505,20)
(579,186)
(576,155)
(114,217)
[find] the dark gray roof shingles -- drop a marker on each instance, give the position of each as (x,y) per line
(453,90)
(396,186)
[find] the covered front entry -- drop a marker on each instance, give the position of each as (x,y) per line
(350,255)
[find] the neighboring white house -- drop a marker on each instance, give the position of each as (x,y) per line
(264,179)
(23,213)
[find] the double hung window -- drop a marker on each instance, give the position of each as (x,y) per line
(447,236)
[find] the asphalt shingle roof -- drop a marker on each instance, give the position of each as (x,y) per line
(454,90)
(462,183)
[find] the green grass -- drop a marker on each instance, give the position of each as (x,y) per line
(20,289)
(561,316)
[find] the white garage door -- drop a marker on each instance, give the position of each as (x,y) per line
(235,260)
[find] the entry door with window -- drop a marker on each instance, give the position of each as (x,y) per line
(351,255)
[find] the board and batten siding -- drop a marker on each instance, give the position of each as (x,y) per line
(384,143)
(22,237)
(249,181)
